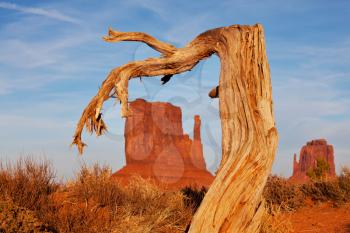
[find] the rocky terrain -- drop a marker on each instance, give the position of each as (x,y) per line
(156,147)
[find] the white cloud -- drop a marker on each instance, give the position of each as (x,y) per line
(54,14)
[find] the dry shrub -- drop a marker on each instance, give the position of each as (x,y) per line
(288,196)
(28,183)
(323,191)
(25,189)
(274,221)
(193,197)
(148,209)
(279,192)
(336,190)
(96,186)
(344,182)
(94,202)
(89,203)
(19,219)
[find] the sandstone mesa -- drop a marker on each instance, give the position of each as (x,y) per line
(309,154)
(156,147)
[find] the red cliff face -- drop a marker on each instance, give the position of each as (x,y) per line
(308,160)
(156,147)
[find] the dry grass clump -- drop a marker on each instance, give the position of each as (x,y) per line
(137,207)
(92,202)
(274,221)
(149,209)
(279,192)
(336,191)
(25,190)
(323,191)
(95,186)
(344,182)
(19,219)
(86,204)
(193,197)
(27,183)
(31,201)
(288,196)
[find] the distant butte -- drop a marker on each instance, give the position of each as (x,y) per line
(308,160)
(156,147)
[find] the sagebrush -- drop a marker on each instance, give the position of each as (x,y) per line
(31,200)
(92,202)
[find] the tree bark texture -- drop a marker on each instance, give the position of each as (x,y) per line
(249,137)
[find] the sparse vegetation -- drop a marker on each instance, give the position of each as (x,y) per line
(279,192)
(274,222)
(92,202)
(32,201)
(28,184)
(322,191)
(193,197)
(319,173)
(344,181)
(19,219)
(283,194)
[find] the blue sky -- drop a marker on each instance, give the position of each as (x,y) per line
(52,61)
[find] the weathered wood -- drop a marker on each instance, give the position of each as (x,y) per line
(249,137)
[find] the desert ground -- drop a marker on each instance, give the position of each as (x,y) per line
(322,218)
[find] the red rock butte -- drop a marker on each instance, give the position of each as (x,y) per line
(156,147)
(309,154)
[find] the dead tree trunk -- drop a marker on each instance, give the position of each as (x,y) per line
(249,137)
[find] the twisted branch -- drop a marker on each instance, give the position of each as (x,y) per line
(162,47)
(174,61)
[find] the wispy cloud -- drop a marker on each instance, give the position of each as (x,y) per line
(54,14)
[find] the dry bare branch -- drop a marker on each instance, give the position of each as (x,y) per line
(162,47)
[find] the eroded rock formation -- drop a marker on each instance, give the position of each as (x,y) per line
(156,147)
(308,160)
